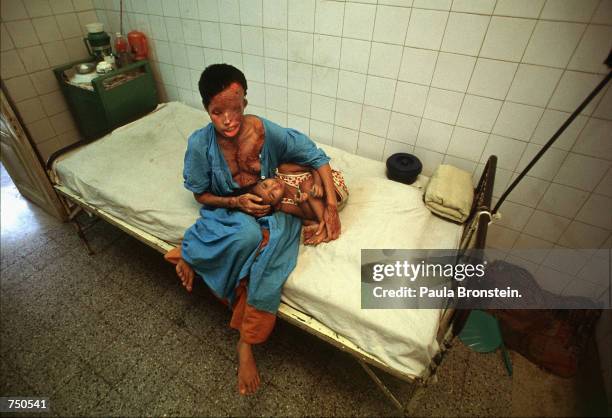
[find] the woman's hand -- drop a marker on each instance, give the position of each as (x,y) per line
(251,204)
(332,222)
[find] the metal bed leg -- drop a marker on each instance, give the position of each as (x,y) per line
(385,390)
(80,229)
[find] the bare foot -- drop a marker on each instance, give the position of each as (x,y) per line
(186,274)
(248,378)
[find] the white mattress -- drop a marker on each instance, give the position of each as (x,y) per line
(135,173)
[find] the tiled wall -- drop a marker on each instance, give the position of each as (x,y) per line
(451,81)
(38,35)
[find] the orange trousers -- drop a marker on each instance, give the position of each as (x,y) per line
(254,325)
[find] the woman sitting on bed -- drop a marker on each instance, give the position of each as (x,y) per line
(298,190)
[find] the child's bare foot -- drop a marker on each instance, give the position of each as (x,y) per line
(248,378)
(186,274)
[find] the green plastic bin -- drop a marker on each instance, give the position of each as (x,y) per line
(98,112)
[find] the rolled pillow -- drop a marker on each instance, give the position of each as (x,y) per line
(450,193)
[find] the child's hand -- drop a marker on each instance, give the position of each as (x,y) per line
(301,197)
(316,191)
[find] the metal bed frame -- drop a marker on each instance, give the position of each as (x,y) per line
(451,323)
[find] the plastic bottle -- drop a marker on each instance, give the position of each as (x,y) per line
(122,50)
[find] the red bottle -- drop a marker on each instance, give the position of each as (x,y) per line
(138,43)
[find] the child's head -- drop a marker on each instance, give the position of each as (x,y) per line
(223,90)
(270,190)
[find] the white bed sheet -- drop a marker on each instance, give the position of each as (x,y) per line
(135,173)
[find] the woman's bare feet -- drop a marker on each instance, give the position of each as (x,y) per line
(186,274)
(248,378)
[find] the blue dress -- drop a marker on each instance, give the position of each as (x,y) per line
(222,245)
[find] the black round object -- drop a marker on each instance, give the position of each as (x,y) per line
(403,167)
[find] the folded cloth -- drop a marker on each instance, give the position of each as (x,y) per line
(450,193)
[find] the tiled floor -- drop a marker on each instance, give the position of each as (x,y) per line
(115,334)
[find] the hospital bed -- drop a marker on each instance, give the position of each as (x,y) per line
(132,178)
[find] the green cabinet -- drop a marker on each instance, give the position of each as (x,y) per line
(114,99)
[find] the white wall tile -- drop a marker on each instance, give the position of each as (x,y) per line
(251,12)
(300,46)
(355,55)
(232,58)
(569,10)
(426,28)
(37,8)
(581,235)
(276,98)
(517,120)
(443,105)
(20,88)
(375,121)
(562,200)
(370,146)
(519,8)
(275,14)
(327,50)
(33,59)
(393,147)
(573,88)
(581,171)
(329,17)
(604,108)
(400,3)
(379,92)
(229,11)
(257,95)
(410,98)
(254,67)
(597,211)
(417,65)
(277,117)
(474,6)
(299,75)
(158,28)
(211,34)
(385,60)
(301,15)
(192,32)
(299,123)
(252,40)
(553,43)
(514,216)
(492,78)
(430,159)
(507,38)
(465,165)
(171,8)
(345,139)
(179,54)
(467,143)
(275,43)
(596,139)
(359,21)
(453,71)
(603,14)
(508,151)
(276,71)
(324,81)
(433,4)
(208,10)
(550,122)
(404,128)
(605,185)
(212,56)
(351,86)
(479,113)
(322,132)
(434,136)
(533,84)
(528,191)
(348,114)
(547,166)
(464,33)
(46,29)
(593,50)
(391,24)
(298,102)
(323,108)
(230,37)
(183,78)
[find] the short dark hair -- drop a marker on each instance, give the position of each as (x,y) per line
(216,78)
